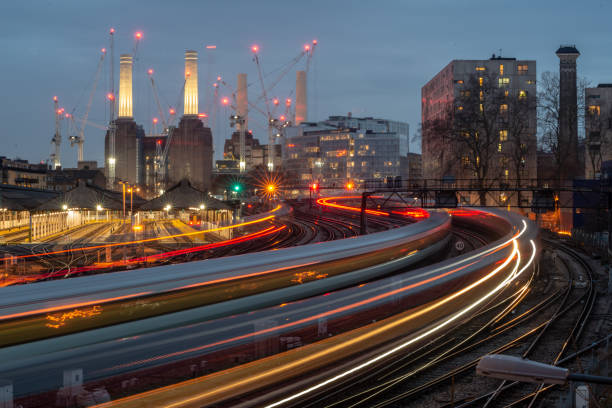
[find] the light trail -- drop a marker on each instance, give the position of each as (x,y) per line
(310,360)
(324,202)
(513,275)
(270,217)
(155,257)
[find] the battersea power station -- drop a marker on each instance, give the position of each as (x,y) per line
(183,151)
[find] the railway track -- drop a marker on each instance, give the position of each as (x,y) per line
(543,321)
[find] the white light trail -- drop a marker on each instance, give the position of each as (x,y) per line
(512,276)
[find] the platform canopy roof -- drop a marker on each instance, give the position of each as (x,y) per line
(183,196)
(15,198)
(85,197)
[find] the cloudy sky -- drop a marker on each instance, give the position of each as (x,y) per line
(372,57)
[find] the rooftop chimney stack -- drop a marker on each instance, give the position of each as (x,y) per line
(301,109)
(568,111)
(242,100)
(191,83)
(125,86)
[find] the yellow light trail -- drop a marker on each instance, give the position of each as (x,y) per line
(268,218)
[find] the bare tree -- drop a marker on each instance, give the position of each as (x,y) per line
(597,137)
(521,143)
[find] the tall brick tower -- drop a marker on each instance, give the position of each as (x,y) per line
(568,112)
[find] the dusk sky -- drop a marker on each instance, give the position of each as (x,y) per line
(372,57)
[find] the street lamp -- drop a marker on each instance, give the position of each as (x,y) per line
(518,369)
(98,209)
(202,207)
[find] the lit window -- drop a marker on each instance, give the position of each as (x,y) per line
(481,95)
(522,95)
(480,81)
(460,81)
(531,82)
(480,68)
(503,108)
(503,135)
(499,147)
(594,110)
(504,82)
(481,107)
(522,69)
(501,69)
(465,134)
(506,94)
(460,108)
(465,94)
(465,160)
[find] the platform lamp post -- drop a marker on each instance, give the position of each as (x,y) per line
(123,183)
(519,369)
(98,209)
(202,208)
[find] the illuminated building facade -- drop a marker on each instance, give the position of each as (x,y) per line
(598,129)
(343,149)
(441,101)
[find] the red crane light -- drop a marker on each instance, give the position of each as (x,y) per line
(255,48)
(225,101)
(314,42)
(282,118)
(150,71)
(138,35)
(55,99)
(67,115)
(306,47)
(103,50)
(202,115)
(275,101)
(110,96)
(112,31)
(288,102)
(211,47)
(155,120)
(172,111)
(218,78)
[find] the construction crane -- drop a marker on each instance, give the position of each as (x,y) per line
(112,129)
(274,125)
(79,139)
(161,156)
(156,97)
(56,141)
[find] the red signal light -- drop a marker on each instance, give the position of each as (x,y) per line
(150,71)
(255,48)
(138,35)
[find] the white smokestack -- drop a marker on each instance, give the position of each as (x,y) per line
(242,100)
(125,86)
(301,109)
(191,83)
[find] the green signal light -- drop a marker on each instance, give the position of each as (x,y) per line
(237,187)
